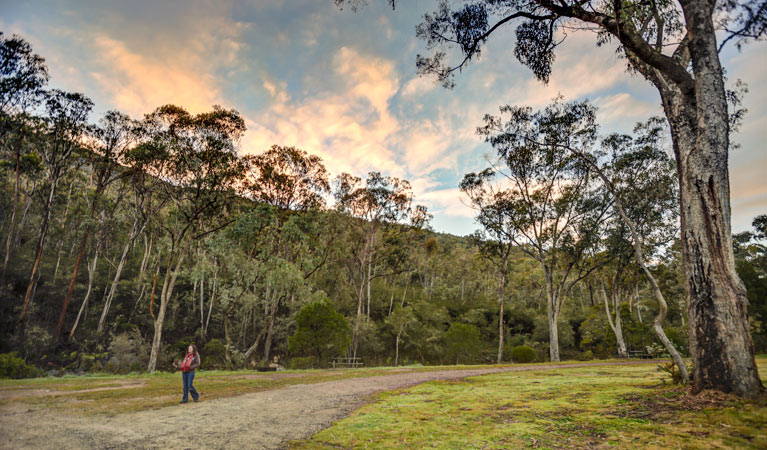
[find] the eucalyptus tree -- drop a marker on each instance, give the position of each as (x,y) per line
(496,242)
(196,158)
(112,138)
(380,204)
(400,320)
(674,46)
(638,178)
(542,199)
(23,77)
(65,126)
(294,240)
(287,178)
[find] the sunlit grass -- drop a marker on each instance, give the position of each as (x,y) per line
(612,406)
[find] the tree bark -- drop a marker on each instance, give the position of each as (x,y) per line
(167,291)
(721,344)
(552,313)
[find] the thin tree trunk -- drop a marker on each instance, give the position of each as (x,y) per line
(113,288)
(501,301)
(228,337)
(396,347)
(270,332)
(212,299)
(254,347)
(40,246)
(202,304)
(20,228)
(552,312)
(91,275)
(12,225)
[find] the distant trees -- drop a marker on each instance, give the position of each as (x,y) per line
(542,198)
(24,77)
(64,127)
(379,205)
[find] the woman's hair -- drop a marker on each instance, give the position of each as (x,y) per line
(194,347)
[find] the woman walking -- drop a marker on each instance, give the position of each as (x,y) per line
(191,362)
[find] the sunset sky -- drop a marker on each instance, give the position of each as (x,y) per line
(342,84)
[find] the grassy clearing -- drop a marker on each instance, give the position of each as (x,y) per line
(137,392)
(596,407)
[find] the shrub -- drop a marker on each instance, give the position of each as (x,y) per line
(670,369)
(320,331)
(522,354)
(462,343)
(213,355)
(127,350)
(11,366)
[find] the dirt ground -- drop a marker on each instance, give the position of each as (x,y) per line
(261,420)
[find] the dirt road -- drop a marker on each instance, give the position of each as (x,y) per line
(264,419)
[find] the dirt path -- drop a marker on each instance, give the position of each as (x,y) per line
(264,419)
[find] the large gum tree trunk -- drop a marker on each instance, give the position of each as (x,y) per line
(720,341)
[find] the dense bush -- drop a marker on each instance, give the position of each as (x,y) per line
(128,351)
(522,354)
(462,343)
(213,355)
(321,332)
(11,366)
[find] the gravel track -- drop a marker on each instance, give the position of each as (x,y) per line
(260,420)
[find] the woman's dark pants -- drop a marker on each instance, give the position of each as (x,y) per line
(188,388)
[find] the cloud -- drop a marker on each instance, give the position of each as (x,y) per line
(138,83)
(447,202)
(349,127)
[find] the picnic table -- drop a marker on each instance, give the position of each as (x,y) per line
(641,354)
(346,361)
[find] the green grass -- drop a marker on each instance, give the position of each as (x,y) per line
(595,407)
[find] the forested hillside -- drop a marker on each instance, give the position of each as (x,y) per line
(125,239)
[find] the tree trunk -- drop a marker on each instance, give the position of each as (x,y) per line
(210,306)
(167,291)
(228,337)
(40,246)
(12,225)
(71,288)
(396,348)
(552,312)
(202,304)
(501,298)
(91,275)
(254,347)
(615,325)
(270,331)
(20,228)
(113,288)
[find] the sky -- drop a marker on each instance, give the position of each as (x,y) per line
(342,84)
